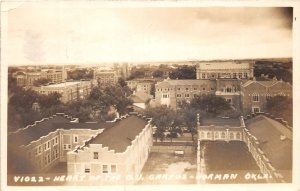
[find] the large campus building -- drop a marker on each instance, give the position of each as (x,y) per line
(269,142)
(70,91)
(27,79)
(244,93)
(228,69)
(119,147)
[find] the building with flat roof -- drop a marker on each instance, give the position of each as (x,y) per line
(106,77)
(121,150)
(141,85)
(247,96)
(111,148)
(27,79)
(271,151)
(42,145)
(70,91)
(271,145)
(224,69)
(170,92)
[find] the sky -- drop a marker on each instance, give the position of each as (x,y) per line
(92,34)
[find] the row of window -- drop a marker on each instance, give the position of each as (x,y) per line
(47,145)
(186,89)
(105,168)
(229,75)
(222,135)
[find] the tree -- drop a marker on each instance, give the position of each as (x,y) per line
(184,72)
(157,74)
(162,117)
(210,104)
(41,81)
(281,106)
(189,117)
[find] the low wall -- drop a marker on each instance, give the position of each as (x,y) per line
(172,149)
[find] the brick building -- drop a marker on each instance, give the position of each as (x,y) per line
(106,77)
(119,147)
(170,92)
(228,69)
(254,94)
(244,95)
(141,85)
(70,91)
(27,79)
(121,151)
(40,146)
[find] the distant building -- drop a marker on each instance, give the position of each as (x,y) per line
(106,77)
(248,96)
(40,146)
(140,100)
(229,69)
(141,85)
(70,91)
(27,79)
(121,150)
(255,94)
(171,92)
(271,151)
(87,148)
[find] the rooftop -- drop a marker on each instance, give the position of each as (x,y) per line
(120,136)
(64,84)
(25,136)
(269,132)
(223,65)
(265,83)
(221,122)
(186,82)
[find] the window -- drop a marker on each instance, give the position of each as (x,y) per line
(87,170)
(178,89)
(67,146)
(208,135)
(203,76)
(165,95)
(240,75)
(96,155)
(255,97)
(40,149)
(104,168)
(187,95)
(231,136)
(228,100)
(48,144)
(178,95)
(202,135)
(56,140)
(234,75)
(75,138)
(216,135)
(223,135)
(36,151)
(245,75)
(45,146)
(187,89)
(268,96)
(48,157)
(256,109)
(203,89)
(238,136)
(195,89)
(113,168)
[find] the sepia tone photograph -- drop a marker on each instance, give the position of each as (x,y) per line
(127,95)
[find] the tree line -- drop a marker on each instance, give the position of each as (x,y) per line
(102,104)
